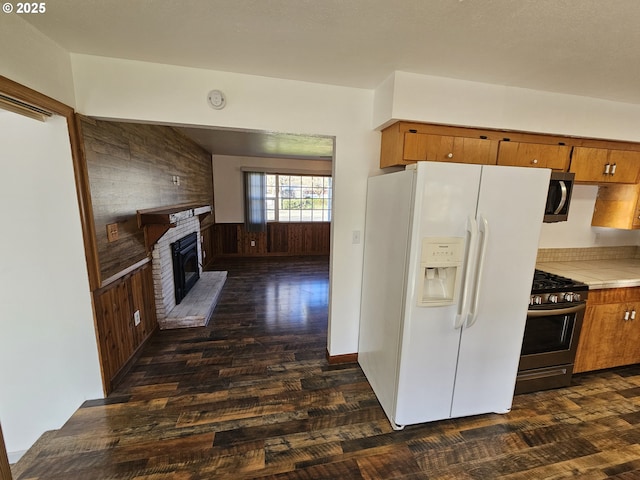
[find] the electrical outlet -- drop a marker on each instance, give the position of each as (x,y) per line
(355,238)
(136,318)
(253,243)
(112,232)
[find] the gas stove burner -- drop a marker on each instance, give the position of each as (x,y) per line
(544,282)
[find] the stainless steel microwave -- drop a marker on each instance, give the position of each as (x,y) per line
(559,197)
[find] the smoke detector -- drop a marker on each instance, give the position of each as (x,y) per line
(216,99)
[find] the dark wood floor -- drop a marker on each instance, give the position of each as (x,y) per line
(252,396)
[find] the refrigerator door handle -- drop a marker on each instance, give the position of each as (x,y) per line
(463,308)
(473,313)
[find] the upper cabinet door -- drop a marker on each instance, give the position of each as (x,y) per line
(423,146)
(601,165)
(444,148)
(520,154)
(475,150)
(625,166)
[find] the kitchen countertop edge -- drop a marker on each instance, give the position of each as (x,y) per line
(600,274)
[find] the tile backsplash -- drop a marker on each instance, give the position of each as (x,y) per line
(589,253)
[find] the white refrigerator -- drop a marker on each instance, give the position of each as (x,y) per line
(449,257)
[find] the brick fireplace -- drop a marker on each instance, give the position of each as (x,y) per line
(164,228)
(162,265)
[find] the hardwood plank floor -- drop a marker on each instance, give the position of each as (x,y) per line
(252,396)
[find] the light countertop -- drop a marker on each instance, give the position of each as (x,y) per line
(597,274)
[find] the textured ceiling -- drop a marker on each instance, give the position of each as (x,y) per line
(581,47)
(252,143)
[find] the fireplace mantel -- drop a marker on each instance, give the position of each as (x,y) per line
(157,221)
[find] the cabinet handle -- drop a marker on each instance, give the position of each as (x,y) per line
(534,161)
(449,155)
(613,168)
(626,315)
(607,167)
(633,314)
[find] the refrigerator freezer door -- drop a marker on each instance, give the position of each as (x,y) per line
(446,196)
(512,202)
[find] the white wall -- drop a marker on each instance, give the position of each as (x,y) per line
(32,59)
(448,101)
(48,351)
(228,189)
(422,98)
(577,232)
(130,90)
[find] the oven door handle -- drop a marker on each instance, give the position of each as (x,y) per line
(555,311)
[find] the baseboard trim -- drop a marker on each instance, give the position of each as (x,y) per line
(119,376)
(338,359)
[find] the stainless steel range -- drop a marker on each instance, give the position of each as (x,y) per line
(552,330)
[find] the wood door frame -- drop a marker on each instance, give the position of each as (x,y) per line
(31,97)
(5,469)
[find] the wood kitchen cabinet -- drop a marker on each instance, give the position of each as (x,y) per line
(592,160)
(441,148)
(521,154)
(611,330)
(617,206)
(404,143)
(602,165)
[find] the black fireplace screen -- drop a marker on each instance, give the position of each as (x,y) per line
(185,265)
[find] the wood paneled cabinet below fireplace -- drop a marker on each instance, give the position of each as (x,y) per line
(118,336)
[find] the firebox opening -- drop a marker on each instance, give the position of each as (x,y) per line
(186,270)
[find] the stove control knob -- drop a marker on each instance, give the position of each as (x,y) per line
(576,297)
(569,297)
(553,298)
(536,300)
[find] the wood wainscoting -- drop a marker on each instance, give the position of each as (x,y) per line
(119,339)
(232,239)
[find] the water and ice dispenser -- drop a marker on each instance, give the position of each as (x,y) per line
(440,271)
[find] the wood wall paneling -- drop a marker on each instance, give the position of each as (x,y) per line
(206,239)
(252,243)
(131,167)
(225,239)
(115,306)
(311,238)
(278,238)
(318,239)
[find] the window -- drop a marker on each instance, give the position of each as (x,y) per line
(298,198)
